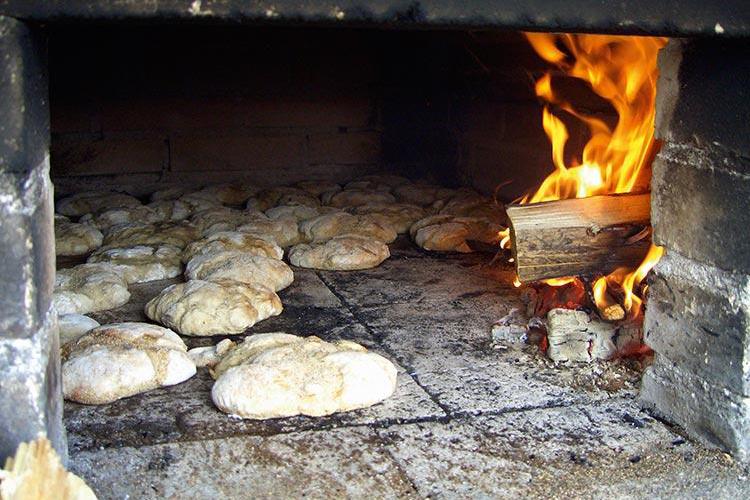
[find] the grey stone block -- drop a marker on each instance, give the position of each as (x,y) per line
(703,97)
(699,317)
(712,413)
(700,205)
(31,389)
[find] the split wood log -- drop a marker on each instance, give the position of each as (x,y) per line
(580,236)
(577,336)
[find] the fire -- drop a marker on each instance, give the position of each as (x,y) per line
(622,70)
(616,158)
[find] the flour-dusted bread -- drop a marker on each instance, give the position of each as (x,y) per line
(469,203)
(316,188)
(355,197)
(228,194)
(325,227)
(177,234)
(75,239)
(240,266)
(233,240)
(298,212)
(209,356)
(141,263)
(74,326)
(170,210)
(400,216)
(423,195)
(283,230)
(222,307)
(169,193)
(217,219)
(279,375)
(198,201)
(92,202)
(116,361)
(283,195)
(446,233)
(342,253)
(106,219)
(89,288)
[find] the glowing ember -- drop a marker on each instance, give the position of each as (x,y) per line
(616,159)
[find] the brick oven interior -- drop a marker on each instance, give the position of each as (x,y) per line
(138,107)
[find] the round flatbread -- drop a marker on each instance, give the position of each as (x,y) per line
(446,233)
(279,375)
(116,361)
(325,227)
(177,234)
(75,239)
(233,240)
(242,267)
(141,263)
(400,216)
(219,307)
(355,197)
(93,202)
(423,195)
(342,253)
(89,288)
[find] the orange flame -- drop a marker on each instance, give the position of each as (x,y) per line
(616,159)
(622,70)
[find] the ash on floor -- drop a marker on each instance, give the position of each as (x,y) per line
(466,419)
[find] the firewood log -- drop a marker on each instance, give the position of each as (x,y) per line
(579,237)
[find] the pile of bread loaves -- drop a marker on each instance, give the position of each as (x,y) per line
(229,241)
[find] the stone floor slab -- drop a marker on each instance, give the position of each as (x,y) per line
(339,463)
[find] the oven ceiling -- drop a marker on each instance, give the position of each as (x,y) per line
(665,17)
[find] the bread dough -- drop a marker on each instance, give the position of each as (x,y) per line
(214,220)
(298,212)
(177,234)
(325,227)
(227,194)
(89,288)
(279,375)
(354,197)
(283,230)
(283,195)
(219,307)
(141,263)
(233,240)
(169,193)
(93,202)
(446,233)
(316,188)
(208,357)
(400,216)
(468,203)
(115,361)
(423,195)
(198,201)
(75,239)
(342,253)
(240,266)
(74,326)
(170,210)
(122,215)
(386,179)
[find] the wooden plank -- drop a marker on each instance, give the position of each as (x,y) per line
(579,237)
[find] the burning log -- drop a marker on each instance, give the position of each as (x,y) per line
(579,236)
(577,336)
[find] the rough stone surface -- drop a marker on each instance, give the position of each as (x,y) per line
(709,412)
(699,318)
(712,101)
(30,393)
(465,419)
(700,204)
